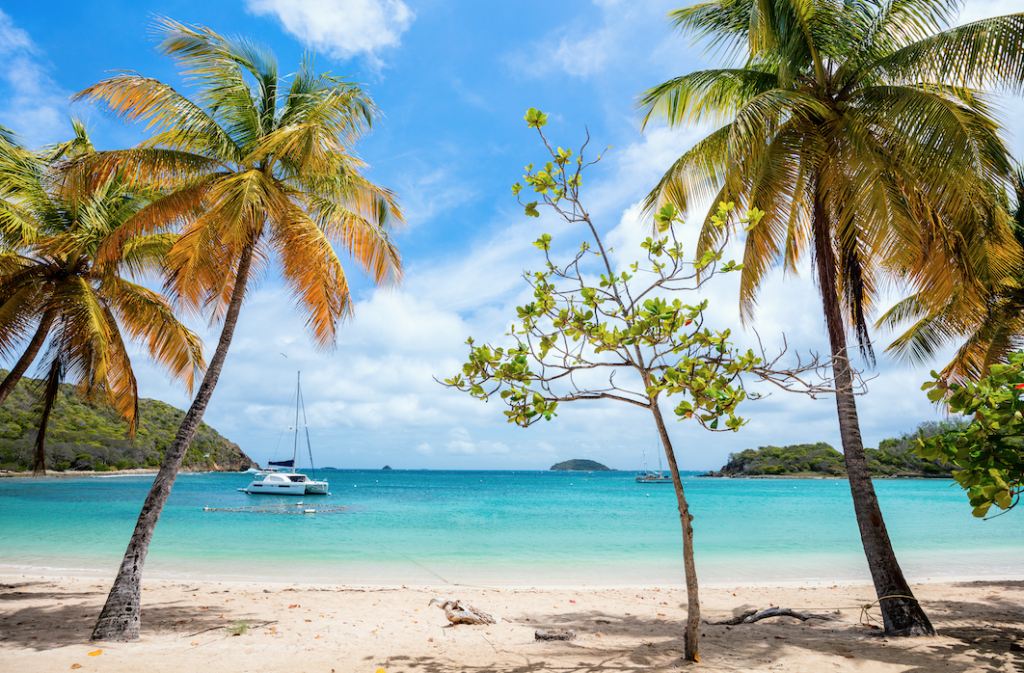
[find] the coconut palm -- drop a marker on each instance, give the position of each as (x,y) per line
(258,169)
(859,129)
(53,287)
(990,331)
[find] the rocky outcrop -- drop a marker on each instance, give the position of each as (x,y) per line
(579,465)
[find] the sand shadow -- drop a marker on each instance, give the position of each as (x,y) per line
(67,618)
(960,648)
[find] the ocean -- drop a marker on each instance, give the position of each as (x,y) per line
(501,528)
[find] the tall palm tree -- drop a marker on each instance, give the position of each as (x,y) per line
(53,287)
(990,331)
(857,127)
(258,169)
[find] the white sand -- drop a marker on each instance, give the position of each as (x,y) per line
(45,624)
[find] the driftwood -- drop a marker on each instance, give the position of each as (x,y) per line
(751,616)
(562,634)
(463,614)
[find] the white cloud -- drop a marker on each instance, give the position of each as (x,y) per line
(625,34)
(341,28)
(428,192)
(585,56)
(33,106)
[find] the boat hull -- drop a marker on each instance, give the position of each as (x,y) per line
(316,488)
(286,483)
(276,488)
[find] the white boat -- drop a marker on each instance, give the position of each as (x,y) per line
(647,477)
(274,480)
(286,483)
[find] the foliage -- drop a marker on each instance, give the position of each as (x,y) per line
(90,436)
(989,451)
(53,283)
(857,127)
(580,465)
(990,331)
(260,164)
(796,459)
(893,457)
(613,322)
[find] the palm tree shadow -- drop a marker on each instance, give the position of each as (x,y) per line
(67,618)
(959,648)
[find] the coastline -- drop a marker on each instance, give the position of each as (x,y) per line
(104,473)
(47,620)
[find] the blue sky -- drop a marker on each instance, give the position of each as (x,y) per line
(453,80)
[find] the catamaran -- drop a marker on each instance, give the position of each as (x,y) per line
(275,479)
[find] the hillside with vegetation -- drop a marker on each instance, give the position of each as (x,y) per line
(892,458)
(579,465)
(86,436)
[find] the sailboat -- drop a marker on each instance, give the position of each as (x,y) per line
(275,480)
(658,477)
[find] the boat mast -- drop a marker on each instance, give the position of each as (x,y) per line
(298,394)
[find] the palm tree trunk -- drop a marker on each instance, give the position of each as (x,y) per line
(50,394)
(121,619)
(29,356)
(902,614)
(689,567)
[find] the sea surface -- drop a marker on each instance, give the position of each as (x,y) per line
(502,528)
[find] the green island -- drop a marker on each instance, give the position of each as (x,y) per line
(89,437)
(579,465)
(893,458)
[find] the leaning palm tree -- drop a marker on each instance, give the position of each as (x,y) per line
(858,129)
(989,332)
(257,169)
(53,288)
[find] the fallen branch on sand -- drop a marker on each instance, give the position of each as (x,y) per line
(751,616)
(463,614)
(225,626)
(554,634)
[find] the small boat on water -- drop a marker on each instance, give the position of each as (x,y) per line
(285,483)
(648,477)
(275,479)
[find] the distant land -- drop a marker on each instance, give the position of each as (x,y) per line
(581,466)
(90,437)
(386,467)
(892,458)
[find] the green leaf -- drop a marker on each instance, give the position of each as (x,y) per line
(535,118)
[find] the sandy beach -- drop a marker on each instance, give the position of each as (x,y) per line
(45,622)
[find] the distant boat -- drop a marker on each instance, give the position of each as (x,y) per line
(275,480)
(647,477)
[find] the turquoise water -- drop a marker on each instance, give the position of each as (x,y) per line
(420,527)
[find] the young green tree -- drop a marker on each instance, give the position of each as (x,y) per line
(260,169)
(860,129)
(594,332)
(988,452)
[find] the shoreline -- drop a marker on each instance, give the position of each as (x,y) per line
(45,623)
(31,572)
(11,474)
(11,572)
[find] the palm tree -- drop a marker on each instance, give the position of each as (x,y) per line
(857,128)
(53,287)
(259,169)
(990,330)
